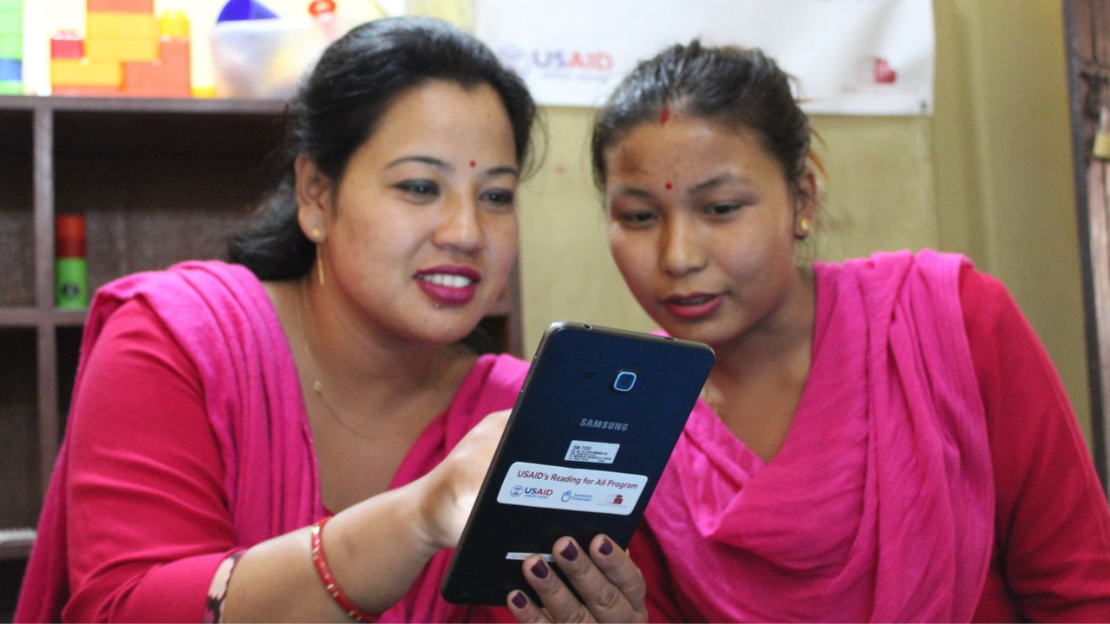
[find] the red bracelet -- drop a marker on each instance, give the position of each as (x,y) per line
(322,568)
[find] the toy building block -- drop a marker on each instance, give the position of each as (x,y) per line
(118,50)
(11,23)
(121,6)
(11,69)
(66,44)
(112,25)
(11,48)
(84,73)
(173,24)
(11,87)
(156,80)
(173,51)
(77,90)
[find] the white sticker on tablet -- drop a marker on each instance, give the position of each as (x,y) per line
(592,452)
(571,489)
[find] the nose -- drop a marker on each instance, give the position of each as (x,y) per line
(461,227)
(682,249)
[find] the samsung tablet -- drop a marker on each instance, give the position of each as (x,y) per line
(595,423)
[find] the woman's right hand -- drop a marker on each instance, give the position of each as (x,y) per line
(451,488)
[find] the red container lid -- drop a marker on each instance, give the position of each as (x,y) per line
(69,236)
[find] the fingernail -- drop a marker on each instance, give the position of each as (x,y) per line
(519,601)
(570,553)
(540,569)
(606,547)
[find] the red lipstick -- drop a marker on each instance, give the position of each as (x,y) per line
(449,284)
(692,307)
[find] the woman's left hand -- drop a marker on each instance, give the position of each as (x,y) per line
(611,586)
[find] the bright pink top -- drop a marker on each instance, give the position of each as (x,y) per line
(879,506)
(188,440)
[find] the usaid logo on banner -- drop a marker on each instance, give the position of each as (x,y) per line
(557,63)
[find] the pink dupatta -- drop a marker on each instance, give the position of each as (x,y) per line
(226,324)
(879,507)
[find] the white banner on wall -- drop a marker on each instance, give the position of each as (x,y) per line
(851,57)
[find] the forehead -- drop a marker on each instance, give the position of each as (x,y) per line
(443,111)
(686,144)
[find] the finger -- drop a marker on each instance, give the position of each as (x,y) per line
(602,597)
(524,610)
(618,568)
(560,603)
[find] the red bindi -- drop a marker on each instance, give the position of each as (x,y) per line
(666,115)
(669,186)
(473,164)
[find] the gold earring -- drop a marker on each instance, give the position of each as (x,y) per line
(803,225)
(319,266)
(317,234)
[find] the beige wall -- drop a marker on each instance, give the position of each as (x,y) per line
(988,175)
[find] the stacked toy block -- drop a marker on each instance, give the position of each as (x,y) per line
(11,47)
(126,51)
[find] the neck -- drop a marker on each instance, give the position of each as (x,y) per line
(361,368)
(782,343)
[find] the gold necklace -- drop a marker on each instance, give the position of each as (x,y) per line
(317,385)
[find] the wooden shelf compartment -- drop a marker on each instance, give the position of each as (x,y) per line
(17,286)
(19,429)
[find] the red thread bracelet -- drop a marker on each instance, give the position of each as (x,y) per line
(322,568)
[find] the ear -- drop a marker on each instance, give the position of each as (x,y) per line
(314,198)
(805,204)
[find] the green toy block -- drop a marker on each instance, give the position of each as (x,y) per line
(11,87)
(11,23)
(11,5)
(11,48)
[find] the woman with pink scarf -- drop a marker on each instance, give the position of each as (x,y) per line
(299,436)
(882,439)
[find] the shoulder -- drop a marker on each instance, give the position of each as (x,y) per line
(492,384)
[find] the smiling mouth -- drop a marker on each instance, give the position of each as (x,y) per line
(444,279)
(689,301)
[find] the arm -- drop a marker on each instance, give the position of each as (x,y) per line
(149,524)
(1052,522)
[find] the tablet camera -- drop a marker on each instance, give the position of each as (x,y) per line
(625,381)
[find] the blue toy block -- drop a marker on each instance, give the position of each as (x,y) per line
(236,10)
(11,69)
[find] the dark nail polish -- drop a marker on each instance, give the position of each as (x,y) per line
(540,569)
(519,601)
(570,553)
(606,547)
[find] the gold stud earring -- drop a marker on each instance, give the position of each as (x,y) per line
(317,234)
(803,227)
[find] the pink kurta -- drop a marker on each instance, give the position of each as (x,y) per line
(188,440)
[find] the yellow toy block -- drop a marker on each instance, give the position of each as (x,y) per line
(113,25)
(118,50)
(174,24)
(84,72)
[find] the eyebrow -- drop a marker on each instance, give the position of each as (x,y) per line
(715,182)
(445,166)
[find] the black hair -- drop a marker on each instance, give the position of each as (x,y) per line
(339,105)
(738,87)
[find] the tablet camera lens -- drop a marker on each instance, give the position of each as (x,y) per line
(625,381)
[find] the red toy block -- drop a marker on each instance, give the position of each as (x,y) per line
(85,91)
(67,45)
(122,6)
(156,80)
(173,51)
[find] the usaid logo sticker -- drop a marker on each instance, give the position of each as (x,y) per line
(571,489)
(560,63)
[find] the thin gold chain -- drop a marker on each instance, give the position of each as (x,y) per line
(317,385)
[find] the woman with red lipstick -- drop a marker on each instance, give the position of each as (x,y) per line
(882,439)
(300,435)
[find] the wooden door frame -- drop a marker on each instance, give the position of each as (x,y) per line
(1087,45)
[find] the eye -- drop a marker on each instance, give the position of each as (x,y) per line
(419,189)
(637,218)
(721,210)
(499,197)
